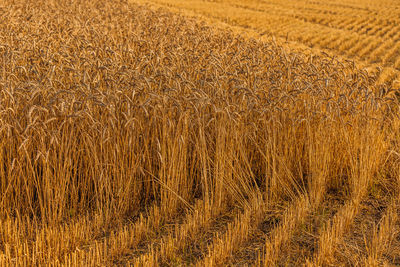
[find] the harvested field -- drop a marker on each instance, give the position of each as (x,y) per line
(133,135)
(365,31)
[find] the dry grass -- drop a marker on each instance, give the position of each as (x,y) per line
(135,136)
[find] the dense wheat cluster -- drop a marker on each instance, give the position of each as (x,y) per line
(130,135)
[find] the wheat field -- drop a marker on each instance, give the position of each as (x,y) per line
(134,135)
(364,31)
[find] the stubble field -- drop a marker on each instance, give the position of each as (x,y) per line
(364,31)
(133,135)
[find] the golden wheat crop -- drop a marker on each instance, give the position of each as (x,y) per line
(134,136)
(361,30)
